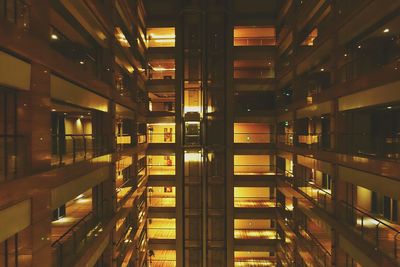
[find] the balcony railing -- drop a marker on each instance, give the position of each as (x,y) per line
(161,263)
(286,139)
(248,138)
(255,73)
(255,169)
(71,148)
(254,202)
(141,138)
(320,196)
(378,232)
(319,252)
(161,201)
(71,243)
(160,169)
(161,233)
(369,145)
(255,233)
(254,41)
(159,138)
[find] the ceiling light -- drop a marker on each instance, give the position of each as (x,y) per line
(54,37)
(322,69)
(81,62)
(359,46)
(345,55)
(386,30)
(389,107)
(53,110)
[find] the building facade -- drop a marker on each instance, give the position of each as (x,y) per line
(199,133)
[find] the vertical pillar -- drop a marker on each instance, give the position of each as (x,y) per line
(34,117)
(40,230)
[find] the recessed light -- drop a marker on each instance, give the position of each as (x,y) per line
(53,110)
(359,46)
(54,37)
(345,55)
(386,30)
(389,107)
(81,62)
(322,69)
(248,110)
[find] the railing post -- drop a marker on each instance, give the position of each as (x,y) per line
(84,147)
(377,236)
(59,149)
(73,149)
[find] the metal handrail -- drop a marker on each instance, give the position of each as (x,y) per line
(71,229)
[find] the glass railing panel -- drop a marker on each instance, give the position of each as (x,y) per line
(254,41)
(161,169)
(160,138)
(161,233)
(254,202)
(255,234)
(70,244)
(71,148)
(161,201)
(286,139)
(243,138)
(382,234)
(254,169)
(365,144)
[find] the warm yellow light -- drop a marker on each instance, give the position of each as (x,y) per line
(193,157)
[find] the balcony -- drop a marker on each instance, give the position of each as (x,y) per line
(252,133)
(74,227)
(253,229)
(71,148)
(161,165)
(382,234)
(161,229)
(161,37)
(162,69)
(253,69)
(253,197)
(162,258)
(254,36)
(370,145)
(161,197)
(253,258)
(159,133)
(253,165)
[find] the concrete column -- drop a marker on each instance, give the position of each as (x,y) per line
(40,230)
(34,120)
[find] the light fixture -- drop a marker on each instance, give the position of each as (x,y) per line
(81,116)
(345,55)
(389,107)
(322,69)
(248,110)
(54,37)
(81,62)
(359,46)
(53,110)
(386,30)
